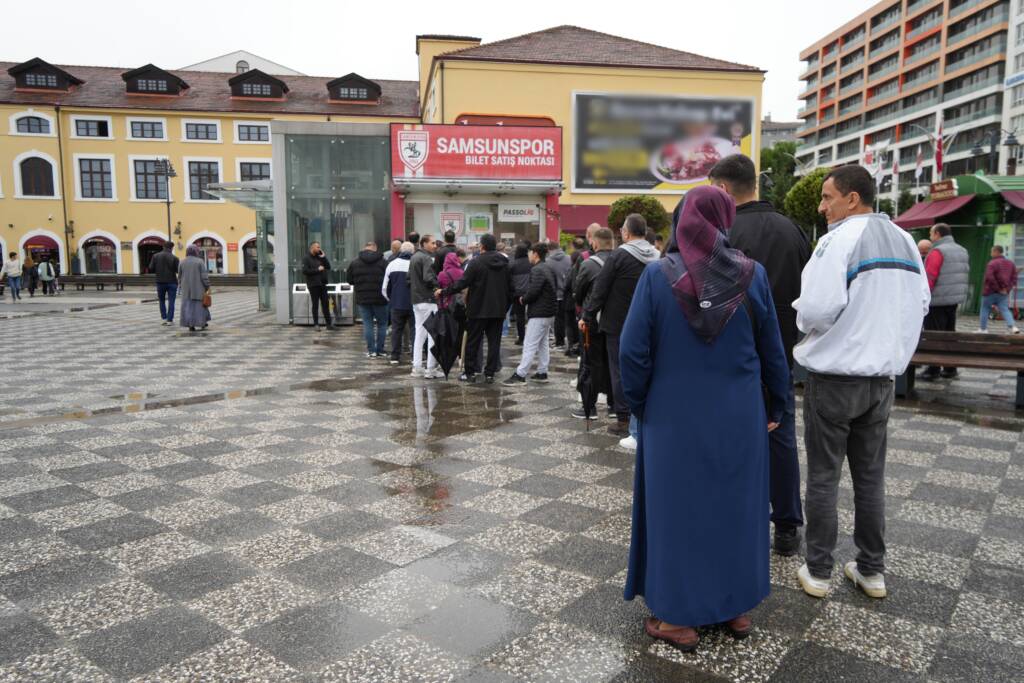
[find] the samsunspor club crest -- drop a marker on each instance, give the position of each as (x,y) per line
(413,149)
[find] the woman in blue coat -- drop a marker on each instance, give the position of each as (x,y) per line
(699,347)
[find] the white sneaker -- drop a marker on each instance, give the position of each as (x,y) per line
(873,586)
(1014,330)
(629,443)
(417,372)
(433,373)
(813,586)
(981,331)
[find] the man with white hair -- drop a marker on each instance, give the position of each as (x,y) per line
(396,290)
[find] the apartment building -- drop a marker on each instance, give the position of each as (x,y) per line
(883,82)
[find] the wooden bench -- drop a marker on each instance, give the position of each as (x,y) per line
(101,282)
(967,350)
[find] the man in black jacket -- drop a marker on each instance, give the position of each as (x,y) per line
(165,266)
(443,250)
(772,240)
(316,267)
(602,241)
(541,300)
(489,280)
(610,298)
(366,275)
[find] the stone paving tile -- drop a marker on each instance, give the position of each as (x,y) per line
(101,607)
(542,655)
(252,602)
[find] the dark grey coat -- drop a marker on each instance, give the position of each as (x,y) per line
(193,280)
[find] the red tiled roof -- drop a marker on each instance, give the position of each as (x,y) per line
(580,46)
(210,92)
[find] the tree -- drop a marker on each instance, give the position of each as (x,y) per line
(778,165)
(647,206)
(886,206)
(801,202)
(905,201)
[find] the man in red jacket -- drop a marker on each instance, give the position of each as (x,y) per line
(1000,278)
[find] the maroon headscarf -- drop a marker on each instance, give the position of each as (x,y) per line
(712,278)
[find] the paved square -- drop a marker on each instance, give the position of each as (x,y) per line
(263,503)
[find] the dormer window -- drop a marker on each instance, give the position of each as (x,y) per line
(255,83)
(353,88)
(152,80)
(35,74)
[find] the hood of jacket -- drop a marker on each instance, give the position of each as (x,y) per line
(557,255)
(493,259)
(369,256)
(642,250)
(452,262)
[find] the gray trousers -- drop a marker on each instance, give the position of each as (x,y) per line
(845,418)
(536,345)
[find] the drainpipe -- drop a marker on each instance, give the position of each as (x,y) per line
(63,187)
(442,92)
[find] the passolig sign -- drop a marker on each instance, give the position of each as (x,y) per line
(476,152)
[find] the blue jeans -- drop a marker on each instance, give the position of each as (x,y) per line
(784,469)
(375,319)
(15,284)
(999,301)
(167,292)
(633,429)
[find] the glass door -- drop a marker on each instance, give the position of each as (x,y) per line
(265,260)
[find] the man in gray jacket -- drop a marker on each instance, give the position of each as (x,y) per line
(949,268)
(422,283)
(560,265)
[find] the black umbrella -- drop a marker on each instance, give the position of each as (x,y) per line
(443,329)
(585,380)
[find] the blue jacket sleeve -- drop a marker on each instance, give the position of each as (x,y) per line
(774,366)
(636,345)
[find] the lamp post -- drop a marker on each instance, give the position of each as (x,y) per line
(991,138)
(166,169)
(1012,146)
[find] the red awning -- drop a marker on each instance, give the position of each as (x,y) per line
(1015,197)
(924,214)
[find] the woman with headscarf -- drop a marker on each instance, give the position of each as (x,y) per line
(451,273)
(703,317)
(193,283)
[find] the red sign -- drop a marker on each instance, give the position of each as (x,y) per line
(943,189)
(476,152)
(232,246)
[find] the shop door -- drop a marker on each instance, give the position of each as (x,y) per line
(148,248)
(100,257)
(213,255)
(42,247)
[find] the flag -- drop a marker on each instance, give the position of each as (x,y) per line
(919,169)
(938,151)
(895,173)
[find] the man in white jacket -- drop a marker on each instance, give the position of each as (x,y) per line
(863,297)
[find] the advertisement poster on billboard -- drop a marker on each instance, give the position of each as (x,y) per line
(657,144)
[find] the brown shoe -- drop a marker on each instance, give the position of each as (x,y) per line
(740,627)
(683,638)
(620,428)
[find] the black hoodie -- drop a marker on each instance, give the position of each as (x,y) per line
(366,275)
(489,280)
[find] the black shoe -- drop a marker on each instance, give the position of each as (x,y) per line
(468,378)
(394,361)
(488,379)
(581,414)
(949,374)
(539,377)
(787,541)
(929,375)
(519,342)
(514,379)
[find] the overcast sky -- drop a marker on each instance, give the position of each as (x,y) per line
(376,38)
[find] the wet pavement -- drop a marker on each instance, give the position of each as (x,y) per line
(264,503)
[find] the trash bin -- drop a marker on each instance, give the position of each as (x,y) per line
(302,312)
(342,301)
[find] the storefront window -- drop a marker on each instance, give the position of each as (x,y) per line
(471,220)
(337,195)
(213,254)
(148,248)
(100,256)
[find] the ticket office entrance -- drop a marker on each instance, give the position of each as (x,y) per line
(471,217)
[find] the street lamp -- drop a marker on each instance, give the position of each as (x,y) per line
(166,169)
(991,138)
(1012,148)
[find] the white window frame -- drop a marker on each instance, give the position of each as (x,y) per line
(144,119)
(251,160)
(78,178)
(75,118)
(132,158)
(16,167)
(184,173)
(214,122)
(13,124)
(236,124)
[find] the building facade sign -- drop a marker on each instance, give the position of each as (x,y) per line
(476,152)
(654,143)
(944,189)
(518,213)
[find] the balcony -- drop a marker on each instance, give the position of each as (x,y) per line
(882,49)
(810,125)
(960,9)
(974,58)
(868,121)
(853,87)
(883,72)
(917,82)
(924,26)
(843,111)
(915,5)
(918,106)
(972,116)
(966,88)
(886,22)
(826,135)
(918,56)
(851,67)
(974,28)
(852,44)
(883,94)
(806,111)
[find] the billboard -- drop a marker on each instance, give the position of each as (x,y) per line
(476,152)
(655,144)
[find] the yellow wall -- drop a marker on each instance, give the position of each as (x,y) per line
(124,219)
(543,90)
(427,49)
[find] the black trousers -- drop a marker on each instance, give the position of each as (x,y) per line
(479,328)
(519,312)
(318,294)
(940,319)
(399,324)
(559,323)
(618,398)
(572,330)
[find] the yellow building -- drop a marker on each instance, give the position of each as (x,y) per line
(79,146)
